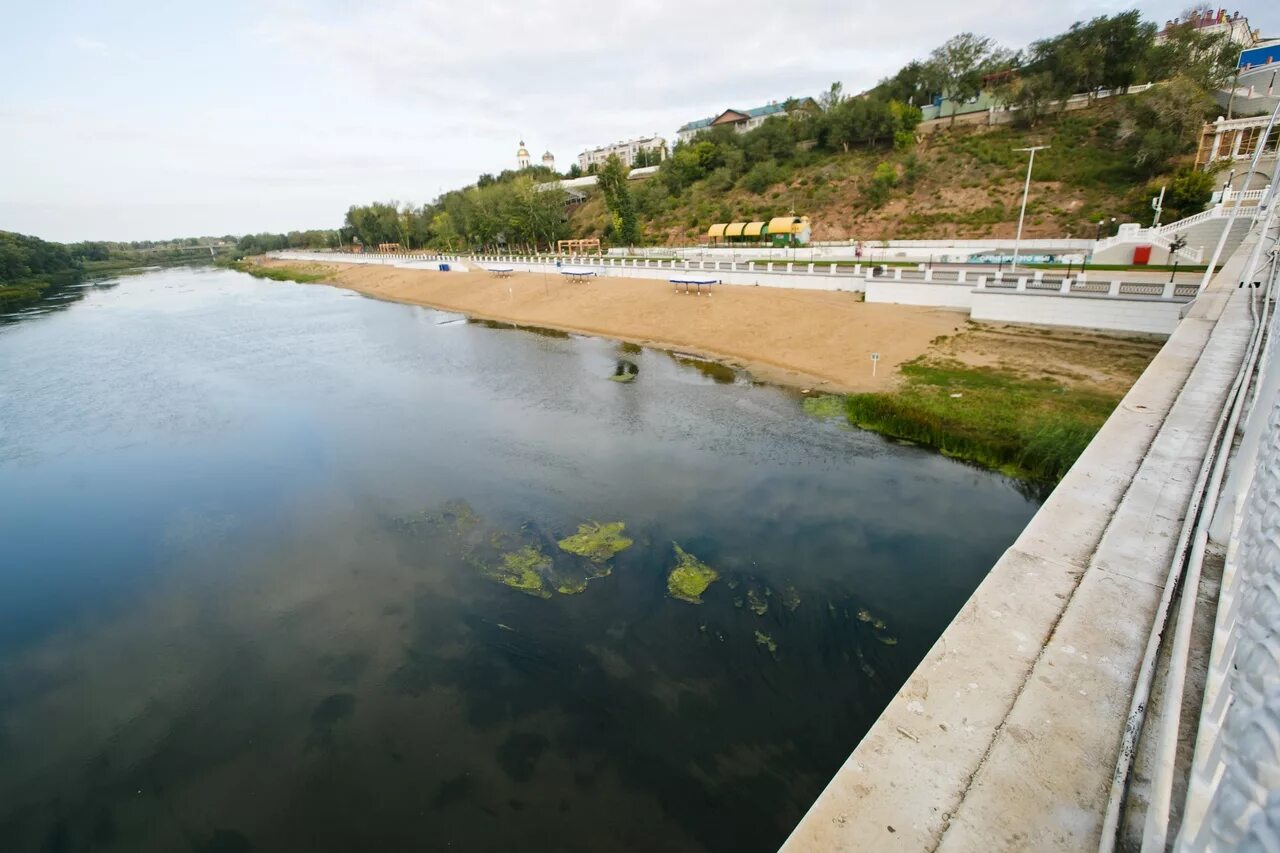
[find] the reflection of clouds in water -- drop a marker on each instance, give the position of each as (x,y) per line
(283,631)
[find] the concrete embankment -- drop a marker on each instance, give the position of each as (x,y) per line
(1007,734)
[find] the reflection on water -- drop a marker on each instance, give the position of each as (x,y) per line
(286,568)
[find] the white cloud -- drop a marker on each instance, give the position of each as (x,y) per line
(91,46)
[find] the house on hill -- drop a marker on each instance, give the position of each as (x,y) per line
(745,120)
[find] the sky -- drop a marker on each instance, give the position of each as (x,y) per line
(135,120)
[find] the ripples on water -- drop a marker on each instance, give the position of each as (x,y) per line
(237,611)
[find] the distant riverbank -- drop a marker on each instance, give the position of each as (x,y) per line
(1024,400)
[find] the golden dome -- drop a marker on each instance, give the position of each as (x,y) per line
(523,152)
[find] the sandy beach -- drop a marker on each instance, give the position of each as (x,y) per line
(807,338)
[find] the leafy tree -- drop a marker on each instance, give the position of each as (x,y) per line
(1207,58)
(1187,192)
(914,84)
(575,171)
(1164,122)
(831,98)
(960,63)
(617,198)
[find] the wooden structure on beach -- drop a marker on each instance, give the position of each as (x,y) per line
(578,247)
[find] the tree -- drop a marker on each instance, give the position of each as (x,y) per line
(915,84)
(1187,191)
(832,97)
(1164,122)
(959,64)
(575,171)
(617,198)
(1208,58)
(443,229)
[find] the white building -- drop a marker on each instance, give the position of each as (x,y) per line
(744,120)
(522,156)
(1212,22)
(626,151)
(549,160)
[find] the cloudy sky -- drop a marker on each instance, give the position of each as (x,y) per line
(133,120)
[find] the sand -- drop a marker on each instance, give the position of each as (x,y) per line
(813,339)
(807,338)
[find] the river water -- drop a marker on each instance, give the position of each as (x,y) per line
(249,599)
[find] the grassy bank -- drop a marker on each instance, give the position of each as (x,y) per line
(24,291)
(276,273)
(1029,427)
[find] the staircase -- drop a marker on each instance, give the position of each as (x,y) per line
(1201,232)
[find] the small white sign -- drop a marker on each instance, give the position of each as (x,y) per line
(875,356)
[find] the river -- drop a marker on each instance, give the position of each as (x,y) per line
(250,592)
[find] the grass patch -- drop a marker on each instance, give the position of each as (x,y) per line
(1032,428)
(278,273)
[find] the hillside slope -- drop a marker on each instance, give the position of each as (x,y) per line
(958,182)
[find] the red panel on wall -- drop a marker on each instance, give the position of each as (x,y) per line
(1141,255)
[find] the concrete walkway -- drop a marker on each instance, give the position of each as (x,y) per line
(1007,734)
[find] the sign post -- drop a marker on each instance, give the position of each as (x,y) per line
(875,357)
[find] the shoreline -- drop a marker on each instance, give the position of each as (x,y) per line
(810,340)
(1022,400)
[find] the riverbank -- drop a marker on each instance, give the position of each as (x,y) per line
(1024,400)
(810,339)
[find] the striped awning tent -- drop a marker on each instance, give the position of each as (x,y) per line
(717,230)
(753,229)
(734,229)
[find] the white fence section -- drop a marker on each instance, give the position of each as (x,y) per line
(1233,800)
(1029,296)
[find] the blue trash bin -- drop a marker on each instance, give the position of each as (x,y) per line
(444,268)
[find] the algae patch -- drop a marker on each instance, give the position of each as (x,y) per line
(522,569)
(864,615)
(756,602)
(597,542)
(690,577)
(764,641)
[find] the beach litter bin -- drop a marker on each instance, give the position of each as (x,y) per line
(444,268)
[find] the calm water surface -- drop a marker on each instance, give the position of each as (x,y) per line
(246,600)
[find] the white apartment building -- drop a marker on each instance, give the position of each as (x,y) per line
(626,151)
(1211,21)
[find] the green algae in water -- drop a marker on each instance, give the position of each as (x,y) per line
(825,406)
(790,598)
(597,542)
(522,570)
(757,603)
(764,641)
(887,640)
(625,371)
(572,587)
(690,578)
(864,615)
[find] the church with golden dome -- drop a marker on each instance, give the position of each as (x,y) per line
(524,159)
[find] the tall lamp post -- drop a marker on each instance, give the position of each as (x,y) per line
(1026,188)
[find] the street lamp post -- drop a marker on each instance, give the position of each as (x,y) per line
(1026,189)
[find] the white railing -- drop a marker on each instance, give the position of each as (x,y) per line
(1230,195)
(1233,794)
(1154,237)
